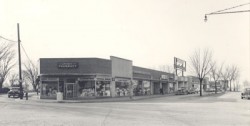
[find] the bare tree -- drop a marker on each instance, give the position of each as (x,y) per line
(200,62)
(166,68)
(233,71)
(225,75)
(236,77)
(13,78)
(30,74)
(246,83)
(7,56)
(216,73)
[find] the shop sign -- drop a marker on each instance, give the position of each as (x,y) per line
(67,65)
(164,77)
(104,79)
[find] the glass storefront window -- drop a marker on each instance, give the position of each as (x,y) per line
(122,88)
(103,88)
(142,88)
(86,88)
(49,88)
(138,88)
(146,86)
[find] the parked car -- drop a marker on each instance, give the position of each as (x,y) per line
(245,93)
(15,92)
(192,91)
(181,91)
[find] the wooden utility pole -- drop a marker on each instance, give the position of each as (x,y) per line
(19,63)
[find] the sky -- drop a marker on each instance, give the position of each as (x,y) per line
(149,32)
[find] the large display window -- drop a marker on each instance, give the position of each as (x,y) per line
(137,88)
(103,88)
(142,88)
(122,88)
(49,88)
(146,87)
(86,88)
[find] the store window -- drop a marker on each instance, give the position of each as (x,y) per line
(86,88)
(122,88)
(103,88)
(138,89)
(146,87)
(49,88)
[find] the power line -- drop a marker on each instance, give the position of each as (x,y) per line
(228,9)
(7,39)
(25,53)
(224,11)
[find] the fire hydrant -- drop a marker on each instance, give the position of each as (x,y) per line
(26,95)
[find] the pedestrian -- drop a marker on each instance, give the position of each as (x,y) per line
(161,91)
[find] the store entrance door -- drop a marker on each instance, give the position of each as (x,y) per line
(69,91)
(156,88)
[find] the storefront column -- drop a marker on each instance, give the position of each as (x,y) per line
(112,89)
(151,87)
(176,86)
(168,88)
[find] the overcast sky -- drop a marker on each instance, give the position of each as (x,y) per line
(149,32)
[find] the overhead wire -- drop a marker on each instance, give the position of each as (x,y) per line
(25,53)
(228,9)
(7,39)
(224,11)
(20,44)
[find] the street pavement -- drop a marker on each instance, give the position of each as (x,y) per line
(222,109)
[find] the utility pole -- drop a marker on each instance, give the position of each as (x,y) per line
(19,63)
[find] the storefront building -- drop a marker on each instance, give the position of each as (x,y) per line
(84,78)
(194,82)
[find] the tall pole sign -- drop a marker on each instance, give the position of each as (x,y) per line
(179,64)
(19,63)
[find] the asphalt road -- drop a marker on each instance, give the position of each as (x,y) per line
(183,110)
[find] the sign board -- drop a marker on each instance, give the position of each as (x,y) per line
(164,77)
(67,65)
(179,64)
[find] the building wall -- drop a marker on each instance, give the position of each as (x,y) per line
(85,66)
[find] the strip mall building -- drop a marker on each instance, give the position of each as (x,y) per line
(81,78)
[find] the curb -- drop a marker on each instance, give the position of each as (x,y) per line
(122,99)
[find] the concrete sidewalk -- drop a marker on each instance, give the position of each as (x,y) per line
(35,98)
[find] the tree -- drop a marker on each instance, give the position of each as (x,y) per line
(200,64)
(30,74)
(232,75)
(13,79)
(236,77)
(215,73)
(166,68)
(7,56)
(246,84)
(225,75)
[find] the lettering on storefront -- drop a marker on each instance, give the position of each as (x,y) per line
(104,79)
(67,65)
(164,77)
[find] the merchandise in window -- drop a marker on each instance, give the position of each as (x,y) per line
(49,88)
(146,85)
(103,88)
(86,88)
(122,88)
(138,90)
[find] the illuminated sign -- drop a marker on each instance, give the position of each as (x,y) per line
(67,65)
